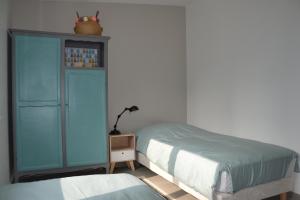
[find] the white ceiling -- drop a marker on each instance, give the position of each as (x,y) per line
(153,2)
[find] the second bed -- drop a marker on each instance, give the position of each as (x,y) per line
(214,166)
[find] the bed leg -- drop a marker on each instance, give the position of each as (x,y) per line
(283,196)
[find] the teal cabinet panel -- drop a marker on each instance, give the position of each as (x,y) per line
(37,61)
(39,138)
(38,110)
(86,120)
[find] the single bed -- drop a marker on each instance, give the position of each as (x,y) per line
(216,167)
(92,187)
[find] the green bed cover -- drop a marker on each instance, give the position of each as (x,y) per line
(198,157)
(93,187)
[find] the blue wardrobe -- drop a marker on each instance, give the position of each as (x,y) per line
(58,102)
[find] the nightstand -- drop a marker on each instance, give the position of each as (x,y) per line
(122,149)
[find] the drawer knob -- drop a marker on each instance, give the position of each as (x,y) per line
(122,152)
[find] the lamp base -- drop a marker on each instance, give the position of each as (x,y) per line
(115,132)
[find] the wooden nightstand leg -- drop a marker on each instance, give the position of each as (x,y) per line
(112,167)
(283,196)
(128,164)
(131,165)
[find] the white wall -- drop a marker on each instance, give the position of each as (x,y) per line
(4,158)
(146,54)
(25,14)
(243,69)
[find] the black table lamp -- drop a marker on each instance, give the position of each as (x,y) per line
(115,131)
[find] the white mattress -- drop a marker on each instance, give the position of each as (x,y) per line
(225,184)
(91,187)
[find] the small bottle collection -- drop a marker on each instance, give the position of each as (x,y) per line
(81,57)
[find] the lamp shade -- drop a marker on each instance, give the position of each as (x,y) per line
(133,108)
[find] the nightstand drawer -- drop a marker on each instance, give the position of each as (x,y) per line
(122,155)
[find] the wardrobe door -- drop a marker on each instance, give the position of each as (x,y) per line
(37,102)
(85,105)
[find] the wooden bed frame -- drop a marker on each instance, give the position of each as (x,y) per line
(258,192)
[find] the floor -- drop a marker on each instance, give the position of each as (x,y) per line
(170,190)
(166,188)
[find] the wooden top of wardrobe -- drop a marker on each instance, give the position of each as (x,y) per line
(78,36)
